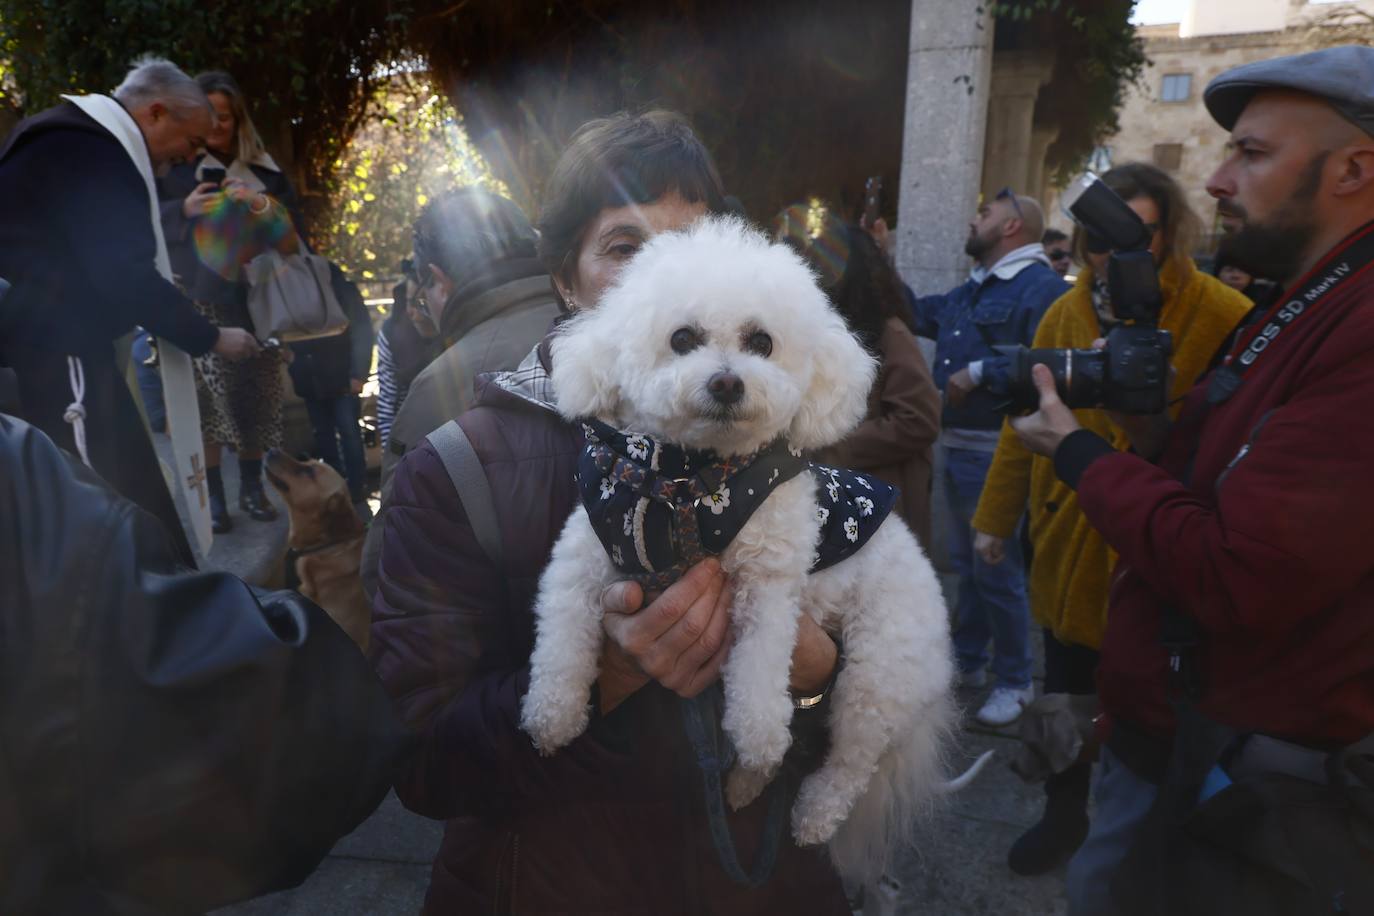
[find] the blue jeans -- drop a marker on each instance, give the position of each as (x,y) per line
(149,383)
(1123,799)
(992,602)
(335,423)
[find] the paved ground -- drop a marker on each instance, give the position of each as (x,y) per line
(252,550)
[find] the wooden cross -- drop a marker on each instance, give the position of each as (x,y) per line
(196,479)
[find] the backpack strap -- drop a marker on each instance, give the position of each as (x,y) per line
(470,480)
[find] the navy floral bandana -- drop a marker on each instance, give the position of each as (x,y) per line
(659,509)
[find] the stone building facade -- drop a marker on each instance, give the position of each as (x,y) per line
(1164,120)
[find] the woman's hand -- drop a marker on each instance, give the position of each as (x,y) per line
(989,547)
(198,201)
(242,194)
(678,639)
(814,659)
(681,639)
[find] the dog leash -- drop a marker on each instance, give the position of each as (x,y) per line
(715,756)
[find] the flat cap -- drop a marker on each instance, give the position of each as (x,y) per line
(1343,76)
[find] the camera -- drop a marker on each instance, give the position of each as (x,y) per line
(1131,374)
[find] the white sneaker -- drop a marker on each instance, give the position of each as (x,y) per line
(973,680)
(1004,705)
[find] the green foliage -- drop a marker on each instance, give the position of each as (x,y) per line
(308,67)
(1098,57)
(410,150)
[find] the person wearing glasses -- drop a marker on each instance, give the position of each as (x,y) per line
(1057,250)
(1001,303)
(1069,579)
(481,287)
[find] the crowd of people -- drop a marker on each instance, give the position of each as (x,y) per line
(1200,570)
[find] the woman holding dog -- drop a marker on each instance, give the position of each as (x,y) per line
(616,821)
(1071,571)
(218,211)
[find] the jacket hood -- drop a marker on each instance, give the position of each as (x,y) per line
(528,382)
(502,287)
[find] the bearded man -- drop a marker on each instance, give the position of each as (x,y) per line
(1237,669)
(1001,303)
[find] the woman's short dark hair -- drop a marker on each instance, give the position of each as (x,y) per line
(1177,221)
(618,161)
(464,231)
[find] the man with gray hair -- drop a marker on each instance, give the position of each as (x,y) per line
(81,246)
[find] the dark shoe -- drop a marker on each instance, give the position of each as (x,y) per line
(220,522)
(1061,829)
(254,501)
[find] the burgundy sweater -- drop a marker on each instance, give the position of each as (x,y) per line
(1269,547)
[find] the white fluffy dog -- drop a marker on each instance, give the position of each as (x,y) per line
(807,379)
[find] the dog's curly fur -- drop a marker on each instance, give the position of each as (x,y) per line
(890,708)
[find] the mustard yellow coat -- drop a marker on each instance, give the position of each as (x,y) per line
(1071,571)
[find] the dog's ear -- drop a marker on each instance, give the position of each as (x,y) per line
(842,373)
(582,355)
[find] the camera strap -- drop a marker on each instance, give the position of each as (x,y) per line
(1180,635)
(1349,260)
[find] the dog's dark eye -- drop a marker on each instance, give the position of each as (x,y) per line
(684,340)
(759,343)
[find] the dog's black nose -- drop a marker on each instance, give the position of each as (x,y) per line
(726,387)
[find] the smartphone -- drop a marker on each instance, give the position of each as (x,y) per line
(214,176)
(873,200)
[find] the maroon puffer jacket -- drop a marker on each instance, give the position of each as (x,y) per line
(612,824)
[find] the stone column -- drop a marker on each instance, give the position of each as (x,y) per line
(1037,182)
(947,86)
(1016,80)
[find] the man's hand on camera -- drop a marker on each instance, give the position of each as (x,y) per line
(1147,433)
(959,386)
(235,344)
(989,547)
(1042,431)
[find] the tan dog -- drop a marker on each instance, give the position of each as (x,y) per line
(326,539)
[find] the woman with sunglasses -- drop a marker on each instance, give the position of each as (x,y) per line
(1072,564)
(1057,250)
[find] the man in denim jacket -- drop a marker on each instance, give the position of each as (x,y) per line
(1002,302)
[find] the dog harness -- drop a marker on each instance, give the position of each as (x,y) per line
(659,509)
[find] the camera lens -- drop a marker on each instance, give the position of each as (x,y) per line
(1077,375)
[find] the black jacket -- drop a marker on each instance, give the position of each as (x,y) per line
(170,742)
(77,244)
